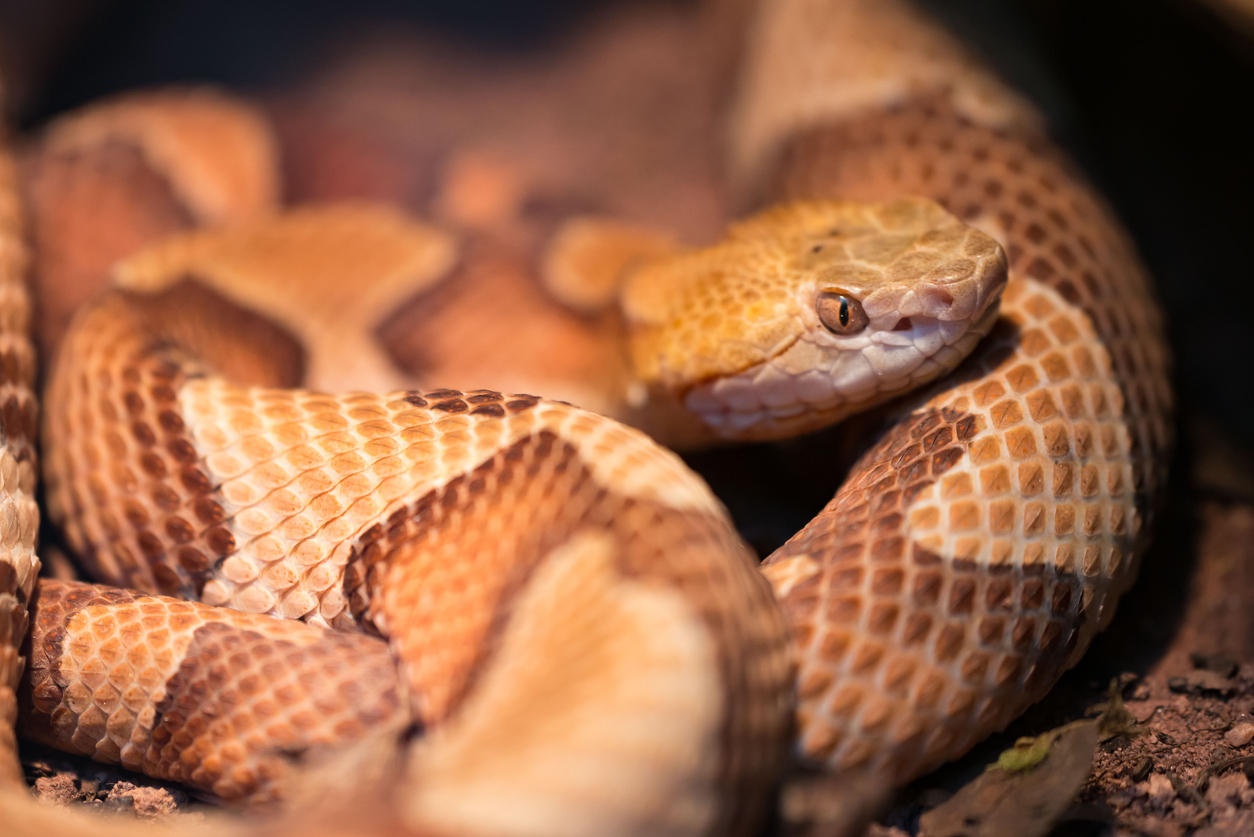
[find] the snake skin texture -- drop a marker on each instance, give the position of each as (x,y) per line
(167,705)
(582,638)
(19,516)
(120,175)
(431,518)
(980,545)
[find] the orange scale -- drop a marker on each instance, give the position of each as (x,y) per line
(375,429)
(347,463)
(315,481)
(162,660)
(296,604)
(1118,521)
(814,683)
(245,421)
(282,410)
(160,635)
(304,720)
(103,626)
(135,697)
(283,502)
(856,754)
(120,721)
(77,698)
(325,423)
(452,430)
(964,516)
(132,636)
(224,464)
(80,741)
(232,751)
(338,529)
(968,548)
(107,749)
(255,600)
(356,485)
(94,673)
(280,576)
(924,518)
(267,549)
(254,521)
(111,650)
(1001,553)
(335,443)
(138,657)
(325,506)
(876,716)
(845,702)
(257,448)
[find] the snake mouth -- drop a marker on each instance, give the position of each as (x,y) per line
(806,386)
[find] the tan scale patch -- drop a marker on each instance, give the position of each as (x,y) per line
(88,209)
(816,61)
(215,150)
(579,629)
(441,576)
(320,270)
(188,693)
(106,180)
(302,474)
(588,259)
(535,345)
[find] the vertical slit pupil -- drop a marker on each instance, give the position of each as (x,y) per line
(844,311)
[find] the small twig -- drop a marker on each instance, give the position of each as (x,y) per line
(1219,767)
(1151,715)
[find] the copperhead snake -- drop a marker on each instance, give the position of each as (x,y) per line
(583,639)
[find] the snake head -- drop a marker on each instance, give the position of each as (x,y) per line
(808,312)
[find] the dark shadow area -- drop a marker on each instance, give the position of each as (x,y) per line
(108,45)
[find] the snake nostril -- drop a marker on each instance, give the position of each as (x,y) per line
(903,324)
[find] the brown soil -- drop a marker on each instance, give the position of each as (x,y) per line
(61,779)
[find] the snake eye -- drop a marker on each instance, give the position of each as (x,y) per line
(841,314)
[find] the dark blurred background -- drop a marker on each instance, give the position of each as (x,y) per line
(1154,97)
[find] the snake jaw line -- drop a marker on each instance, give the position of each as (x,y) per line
(806,387)
(874,298)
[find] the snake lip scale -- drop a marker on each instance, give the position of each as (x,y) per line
(714,402)
(562,608)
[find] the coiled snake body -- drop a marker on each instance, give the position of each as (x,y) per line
(582,636)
